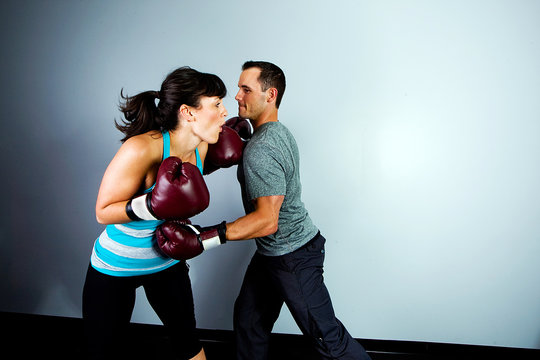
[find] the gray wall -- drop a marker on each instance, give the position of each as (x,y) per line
(419,129)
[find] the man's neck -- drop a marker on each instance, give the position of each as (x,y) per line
(265,118)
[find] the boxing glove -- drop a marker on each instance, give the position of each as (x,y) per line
(179,193)
(182,241)
(241,126)
(227,151)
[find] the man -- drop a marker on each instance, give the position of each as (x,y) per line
(288,264)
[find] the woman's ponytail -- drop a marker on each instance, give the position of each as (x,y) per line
(140,114)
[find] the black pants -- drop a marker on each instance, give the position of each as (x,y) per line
(108,303)
(295,279)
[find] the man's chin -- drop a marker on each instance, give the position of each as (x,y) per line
(242,113)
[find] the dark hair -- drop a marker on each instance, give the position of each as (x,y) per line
(271,77)
(182,86)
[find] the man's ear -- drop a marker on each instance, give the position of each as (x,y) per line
(271,95)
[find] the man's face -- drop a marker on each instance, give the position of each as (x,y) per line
(251,99)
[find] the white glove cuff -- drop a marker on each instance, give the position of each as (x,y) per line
(211,242)
(139,207)
(208,243)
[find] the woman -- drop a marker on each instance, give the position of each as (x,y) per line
(188,116)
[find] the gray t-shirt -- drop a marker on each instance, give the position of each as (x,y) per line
(271,166)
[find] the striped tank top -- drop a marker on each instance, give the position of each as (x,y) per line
(131,249)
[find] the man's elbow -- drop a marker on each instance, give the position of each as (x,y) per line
(271,228)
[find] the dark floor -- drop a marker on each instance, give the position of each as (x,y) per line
(37,337)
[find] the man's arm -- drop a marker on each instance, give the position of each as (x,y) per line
(261,222)
(184,241)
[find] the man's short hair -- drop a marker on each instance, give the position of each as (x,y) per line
(271,77)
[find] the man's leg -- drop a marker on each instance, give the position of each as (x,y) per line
(299,276)
(255,311)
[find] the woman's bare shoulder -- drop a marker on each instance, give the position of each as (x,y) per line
(147,146)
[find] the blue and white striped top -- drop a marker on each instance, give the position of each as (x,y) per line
(131,249)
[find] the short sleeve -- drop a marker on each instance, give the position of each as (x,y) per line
(263,171)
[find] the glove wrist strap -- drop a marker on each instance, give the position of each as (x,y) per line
(222,232)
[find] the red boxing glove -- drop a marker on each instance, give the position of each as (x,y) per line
(180,193)
(241,126)
(182,241)
(229,147)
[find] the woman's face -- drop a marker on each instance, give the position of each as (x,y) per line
(209,118)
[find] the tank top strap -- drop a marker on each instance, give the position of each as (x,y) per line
(199,162)
(166,145)
(166,153)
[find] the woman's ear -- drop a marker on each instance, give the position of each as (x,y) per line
(185,112)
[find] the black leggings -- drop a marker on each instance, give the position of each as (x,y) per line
(108,303)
